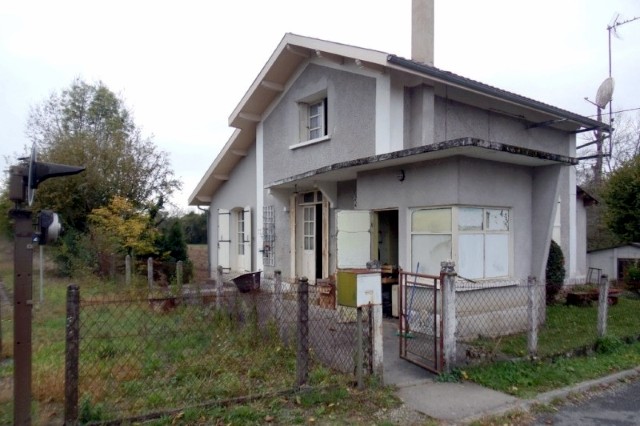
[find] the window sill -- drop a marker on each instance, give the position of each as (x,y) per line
(310,142)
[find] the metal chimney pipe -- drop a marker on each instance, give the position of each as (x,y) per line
(422,38)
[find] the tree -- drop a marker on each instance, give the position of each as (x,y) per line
(120,228)
(555,272)
(89,125)
(622,196)
(195,227)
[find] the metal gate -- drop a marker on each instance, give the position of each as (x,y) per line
(420,328)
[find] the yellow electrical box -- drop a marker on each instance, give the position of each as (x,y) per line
(358,287)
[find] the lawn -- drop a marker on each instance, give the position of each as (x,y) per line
(569,350)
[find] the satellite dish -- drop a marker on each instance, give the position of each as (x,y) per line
(31,186)
(605,92)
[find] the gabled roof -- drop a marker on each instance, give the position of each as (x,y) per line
(294,50)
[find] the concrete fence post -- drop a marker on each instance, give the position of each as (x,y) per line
(377,335)
(179,271)
(219,284)
(448,285)
(127,269)
(302,360)
(150,272)
(72,356)
(533,309)
(603,305)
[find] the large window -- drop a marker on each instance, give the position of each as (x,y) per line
(240,239)
(477,238)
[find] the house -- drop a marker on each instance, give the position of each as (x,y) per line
(341,155)
(614,261)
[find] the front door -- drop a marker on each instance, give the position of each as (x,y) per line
(308,261)
(311,235)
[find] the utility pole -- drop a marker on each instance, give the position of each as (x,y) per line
(23,181)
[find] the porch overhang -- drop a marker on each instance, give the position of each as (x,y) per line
(467,147)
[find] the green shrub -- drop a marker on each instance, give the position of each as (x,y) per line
(555,272)
(632,277)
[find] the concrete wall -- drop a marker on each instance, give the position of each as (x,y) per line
(351,122)
(456,120)
(238,192)
(455,181)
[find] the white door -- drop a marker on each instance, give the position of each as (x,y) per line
(353,238)
(224,239)
(308,243)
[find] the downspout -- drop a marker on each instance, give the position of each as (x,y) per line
(208,242)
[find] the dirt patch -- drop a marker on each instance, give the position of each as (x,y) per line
(198,255)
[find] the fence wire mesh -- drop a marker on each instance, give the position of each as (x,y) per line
(488,311)
(146,354)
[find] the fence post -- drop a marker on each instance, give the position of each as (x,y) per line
(603,299)
(72,355)
(219,285)
(127,269)
(302,361)
(150,272)
(532,311)
(179,274)
(377,344)
(277,287)
(359,350)
(112,266)
(448,277)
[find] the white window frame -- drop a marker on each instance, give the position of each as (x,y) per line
(240,242)
(307,129)
(457,234)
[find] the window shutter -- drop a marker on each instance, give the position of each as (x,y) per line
(224,239)
(247,239)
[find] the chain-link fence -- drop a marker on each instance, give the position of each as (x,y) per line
(488,311)
(142,355)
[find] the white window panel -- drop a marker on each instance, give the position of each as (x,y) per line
(470,258)
(431,221)
(429,251)
(496,255)
(497,219)
(470,219)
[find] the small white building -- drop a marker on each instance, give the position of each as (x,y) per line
(614,261)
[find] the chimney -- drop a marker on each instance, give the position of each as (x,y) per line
(422,31)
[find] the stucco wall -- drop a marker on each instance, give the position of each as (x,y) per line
(456,120)
(351,122)
(238,192)
(455,181)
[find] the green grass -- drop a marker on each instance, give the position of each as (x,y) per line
(189,355)
(567,329)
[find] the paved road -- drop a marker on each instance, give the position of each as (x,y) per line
(617,406)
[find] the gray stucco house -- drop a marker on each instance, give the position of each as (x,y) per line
(436,166)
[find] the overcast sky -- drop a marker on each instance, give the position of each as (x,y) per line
(182,67)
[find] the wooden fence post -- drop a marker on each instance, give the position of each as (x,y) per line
(603,299)
(127,269)
(150,272)
(219,284)
(277,288)
(72,355)
(302,361)
(532,311)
